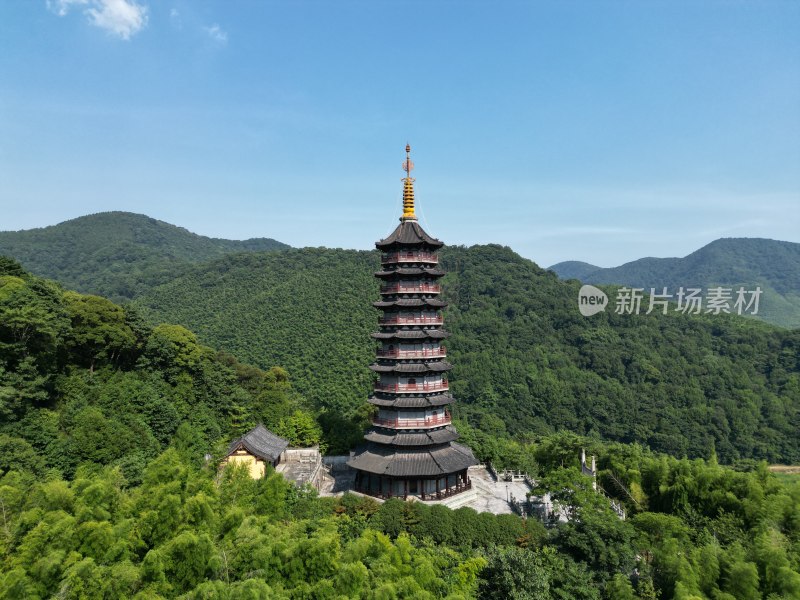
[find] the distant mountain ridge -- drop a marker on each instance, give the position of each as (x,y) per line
(772,265)
(525,361)
(117,254)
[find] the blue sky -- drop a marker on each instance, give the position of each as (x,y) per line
(596,131)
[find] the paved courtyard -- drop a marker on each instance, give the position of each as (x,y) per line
(486,495)
(493,496)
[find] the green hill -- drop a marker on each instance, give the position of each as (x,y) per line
(105,494)
(729,262)
(574,269)
(117,254)
(526,361)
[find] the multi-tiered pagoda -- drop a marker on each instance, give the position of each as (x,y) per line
(411,449)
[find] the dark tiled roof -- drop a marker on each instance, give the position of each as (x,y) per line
(426,438)
(411,302)
(436,367)
(435,462)
(410,271)
(408,233)
(411,334)
(411,401)
(260,442)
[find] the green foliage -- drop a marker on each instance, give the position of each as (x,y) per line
(540,574)
(526,363)
(181,534)
(85,380)
(115,254)
(99,330)
(105,420)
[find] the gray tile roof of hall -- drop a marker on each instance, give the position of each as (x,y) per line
(260,442)
(409,233)
(436,462)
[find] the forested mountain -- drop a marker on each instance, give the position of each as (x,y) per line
(82,378)
(731,262)
(574,269)
(526,362)
(116,254)
(104,492)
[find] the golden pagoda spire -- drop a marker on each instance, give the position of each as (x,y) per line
(408,189)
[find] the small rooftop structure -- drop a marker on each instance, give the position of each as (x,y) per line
(256,448)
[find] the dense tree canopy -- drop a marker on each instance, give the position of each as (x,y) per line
(525,361)
(117,254)
(104,492)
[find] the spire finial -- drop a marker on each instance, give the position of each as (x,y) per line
(408,189)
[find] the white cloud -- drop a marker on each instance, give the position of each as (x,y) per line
(123,18)
(61,7)
(216,33)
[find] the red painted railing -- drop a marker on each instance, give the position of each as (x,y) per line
(411,320)
(397,353)
(439,386)
(394,257)
(401,423)
(424,288)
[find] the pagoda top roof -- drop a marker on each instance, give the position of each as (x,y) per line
(408,233)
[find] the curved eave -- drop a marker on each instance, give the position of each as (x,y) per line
(431,367)
(435,462)
(411,303)
(410,271)
(432,401)
(411,334)
(426,438)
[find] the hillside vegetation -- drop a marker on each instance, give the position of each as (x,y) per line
(84,379)
(526,362)
(731,262)
(104,491)
(116,254)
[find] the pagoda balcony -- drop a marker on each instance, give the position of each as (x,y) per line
(411,257)
(419,288)
(439,352)
(437,386)
(395,320)
(401,423)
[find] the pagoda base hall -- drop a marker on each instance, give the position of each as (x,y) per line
(398,487)
(410,449)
